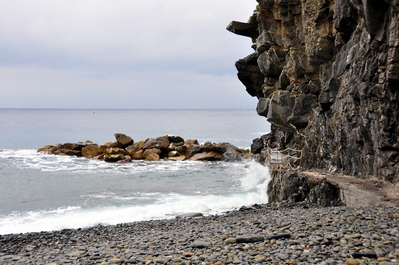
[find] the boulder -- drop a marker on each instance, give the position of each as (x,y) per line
(193,149)
(115,150)
(162,142)
(177,158)
(123,140)
(173,153)
(181,149)
(231,152)
(150,143)
(138,155)
(175,139)
(67,149)
(191,142)
(91,151)
(114,157)
(48,149)
(152,151)
(207,156)
(173,146)
(109,145)
(212,147)
(152,157)
(131,149)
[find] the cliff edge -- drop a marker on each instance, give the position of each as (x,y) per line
(326,74)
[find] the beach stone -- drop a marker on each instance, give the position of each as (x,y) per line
(250,238)
(116,260)
(211,239)
(189,215)
(123,140)
(230,240)
(351,261)
(352,236)
(278,236)
(201,244)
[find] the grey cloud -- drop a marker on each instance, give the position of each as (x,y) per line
(139,47)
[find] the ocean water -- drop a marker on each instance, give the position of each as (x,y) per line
(42,192)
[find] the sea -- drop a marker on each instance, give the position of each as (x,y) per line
(42,192)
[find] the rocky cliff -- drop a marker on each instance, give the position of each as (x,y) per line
(326,74)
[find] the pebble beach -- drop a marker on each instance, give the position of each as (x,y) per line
(274,233)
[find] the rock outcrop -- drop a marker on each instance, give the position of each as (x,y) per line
(326,74)
(168,147)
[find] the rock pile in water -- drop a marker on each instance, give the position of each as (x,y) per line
(167,147)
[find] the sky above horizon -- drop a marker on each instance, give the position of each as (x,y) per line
(173,54)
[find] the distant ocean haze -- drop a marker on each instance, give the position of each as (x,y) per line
(34,128)
(41,192)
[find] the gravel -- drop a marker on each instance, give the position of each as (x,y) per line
(275,233)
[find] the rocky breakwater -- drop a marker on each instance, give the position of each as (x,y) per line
(326,74)
(167,147)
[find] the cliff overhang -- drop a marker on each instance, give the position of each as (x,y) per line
(326,74)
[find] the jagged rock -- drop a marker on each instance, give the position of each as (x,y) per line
(249,29)
(250,75)
(295,186)
(123,140)
(326,74)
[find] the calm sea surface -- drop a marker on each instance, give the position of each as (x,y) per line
(44,192)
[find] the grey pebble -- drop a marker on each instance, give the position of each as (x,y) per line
(265,234)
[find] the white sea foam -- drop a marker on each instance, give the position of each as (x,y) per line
(251,189)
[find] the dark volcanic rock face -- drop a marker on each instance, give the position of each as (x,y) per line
(326,74)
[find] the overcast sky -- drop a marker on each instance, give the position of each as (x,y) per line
(143,54)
